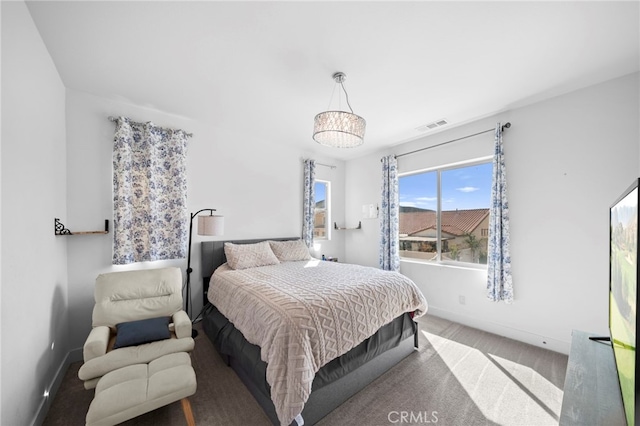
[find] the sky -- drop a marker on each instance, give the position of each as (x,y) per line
(320,191)
(462,188)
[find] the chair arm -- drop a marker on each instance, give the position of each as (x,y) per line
(96,344)
(182,324)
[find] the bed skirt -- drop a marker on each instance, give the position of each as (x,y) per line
(334,383)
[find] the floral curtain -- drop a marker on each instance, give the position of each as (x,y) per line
(309,202)
(149,193)
(499,283)
(389,240)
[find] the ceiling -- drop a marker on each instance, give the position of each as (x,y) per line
(264,68)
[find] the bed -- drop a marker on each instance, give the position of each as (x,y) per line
(312,356)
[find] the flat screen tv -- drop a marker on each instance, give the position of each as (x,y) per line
(623,297)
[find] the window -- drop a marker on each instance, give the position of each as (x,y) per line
(321,228)
(444,213)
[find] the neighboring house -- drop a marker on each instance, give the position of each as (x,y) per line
(418,234)
(320,220)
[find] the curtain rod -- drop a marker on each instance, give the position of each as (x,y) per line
(114,119)
(506,126)
(331,166)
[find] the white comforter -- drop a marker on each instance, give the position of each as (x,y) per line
(304,314)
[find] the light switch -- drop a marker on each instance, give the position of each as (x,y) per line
(369,211)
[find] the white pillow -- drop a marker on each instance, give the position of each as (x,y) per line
(243,256)
(287,251)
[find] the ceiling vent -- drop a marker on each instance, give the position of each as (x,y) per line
(433,125)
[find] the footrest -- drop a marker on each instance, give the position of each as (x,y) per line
(137,389)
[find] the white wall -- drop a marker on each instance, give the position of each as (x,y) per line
(251,180)
(34,272)
(568,158)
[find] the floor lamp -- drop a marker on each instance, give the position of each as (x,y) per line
(211,225)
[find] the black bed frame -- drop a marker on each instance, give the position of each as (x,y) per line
(321,401)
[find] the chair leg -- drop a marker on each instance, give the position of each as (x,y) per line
(188,414)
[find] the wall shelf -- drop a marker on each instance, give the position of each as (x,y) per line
(60,229)
(335,226)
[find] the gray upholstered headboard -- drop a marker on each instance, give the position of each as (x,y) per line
(212,256)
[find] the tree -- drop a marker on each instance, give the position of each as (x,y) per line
(474,245)
(454,252)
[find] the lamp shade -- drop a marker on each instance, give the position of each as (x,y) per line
(211,225)
(339,129)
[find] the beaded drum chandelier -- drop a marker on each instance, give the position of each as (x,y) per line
(339,129)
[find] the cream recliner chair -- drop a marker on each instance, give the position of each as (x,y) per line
(123,297)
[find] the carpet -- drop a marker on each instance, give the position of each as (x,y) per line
(459,376)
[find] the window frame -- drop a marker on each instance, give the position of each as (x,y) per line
(439,170)
(327,210)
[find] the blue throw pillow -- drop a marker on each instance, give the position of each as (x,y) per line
(143,331)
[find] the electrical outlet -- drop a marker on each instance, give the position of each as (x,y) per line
(462,300)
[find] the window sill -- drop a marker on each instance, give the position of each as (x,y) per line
(465,266)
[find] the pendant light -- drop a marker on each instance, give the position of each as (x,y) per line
(339,129)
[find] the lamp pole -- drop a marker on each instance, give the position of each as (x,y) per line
(189,270)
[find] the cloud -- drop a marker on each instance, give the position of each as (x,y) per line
(420,202)
(467,189)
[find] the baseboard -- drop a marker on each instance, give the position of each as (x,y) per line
(75,355)
(43,409)
(502,330)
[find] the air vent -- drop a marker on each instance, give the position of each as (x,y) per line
(432,125)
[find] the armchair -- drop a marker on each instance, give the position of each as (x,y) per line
(123,297)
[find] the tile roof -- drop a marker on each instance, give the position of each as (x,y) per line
(456,222)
